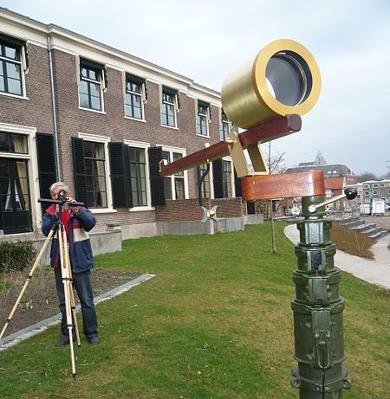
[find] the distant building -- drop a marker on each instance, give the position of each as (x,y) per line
(337,177)
(373,189)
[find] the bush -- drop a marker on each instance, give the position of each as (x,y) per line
(16,256)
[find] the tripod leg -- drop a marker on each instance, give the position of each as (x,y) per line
(73,307)
(36,263)
(67,281)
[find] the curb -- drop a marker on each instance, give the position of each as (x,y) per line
(28,332)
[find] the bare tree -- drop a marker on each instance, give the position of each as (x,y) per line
(367,176)
(319,159)
(275,162)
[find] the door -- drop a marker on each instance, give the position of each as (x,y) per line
(15,210)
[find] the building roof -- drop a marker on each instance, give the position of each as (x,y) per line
(329,170)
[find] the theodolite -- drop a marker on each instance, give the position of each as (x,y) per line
(267,97)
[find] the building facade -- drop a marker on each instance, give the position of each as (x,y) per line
(101,120)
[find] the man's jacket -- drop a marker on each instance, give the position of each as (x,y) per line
(76,226)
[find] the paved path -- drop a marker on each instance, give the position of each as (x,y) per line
(373,271)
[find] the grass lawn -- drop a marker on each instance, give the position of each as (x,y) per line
(214,323)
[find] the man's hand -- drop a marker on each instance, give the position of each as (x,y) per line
(74,208)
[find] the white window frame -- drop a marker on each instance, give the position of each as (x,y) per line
(223,125)
(102,87)
(175,104)
(145,147)
(183,152)
(105,140)
(142,96)
(23,71)
(207,116)
(232,186)
(33,175)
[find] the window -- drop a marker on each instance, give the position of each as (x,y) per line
(135,97)
(223,181)
(224,130)
(175,184)
(227,178)
(169,107)
(137,158)
(16,153)
(90,88)
(203,118)
(13,143)
(90,164)
(11,65)
(205,188)
(95,174)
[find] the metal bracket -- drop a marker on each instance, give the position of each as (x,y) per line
(240,162)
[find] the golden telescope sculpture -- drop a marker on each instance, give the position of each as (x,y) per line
(283,79)
(267,98)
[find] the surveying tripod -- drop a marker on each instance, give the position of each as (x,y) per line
(58,230)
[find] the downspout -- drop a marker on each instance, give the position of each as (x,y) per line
(54,106)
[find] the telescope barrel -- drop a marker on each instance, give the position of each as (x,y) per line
(274,128)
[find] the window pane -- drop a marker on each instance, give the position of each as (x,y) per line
(179,188)
(95,103)
(95,89)
(14,86)
(4,142)
(12,53)
(84,100)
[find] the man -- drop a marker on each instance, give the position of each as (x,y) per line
(77,221)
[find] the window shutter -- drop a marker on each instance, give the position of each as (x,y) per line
(120,175)
(46,163)
(156,180)
(218,178)
(79,170)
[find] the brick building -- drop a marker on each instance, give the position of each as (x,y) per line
(76,110)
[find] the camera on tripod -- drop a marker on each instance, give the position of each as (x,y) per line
(62,195)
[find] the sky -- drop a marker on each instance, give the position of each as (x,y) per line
(208,40)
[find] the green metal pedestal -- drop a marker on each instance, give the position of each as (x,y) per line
(318,310)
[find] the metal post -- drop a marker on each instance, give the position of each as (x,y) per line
(318,310)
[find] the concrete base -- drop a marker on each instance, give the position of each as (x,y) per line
(257,218)
(198,227)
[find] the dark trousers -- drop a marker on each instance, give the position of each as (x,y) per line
(82,284)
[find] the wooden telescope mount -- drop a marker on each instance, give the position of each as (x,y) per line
(257,184)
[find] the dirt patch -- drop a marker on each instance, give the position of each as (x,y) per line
(39,300)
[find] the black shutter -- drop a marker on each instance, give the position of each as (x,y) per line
(218,178)
(120,175)
(79,170)
(46,163)
(237,184)
(156,181)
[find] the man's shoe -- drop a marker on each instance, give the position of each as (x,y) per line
(94,340)
(63,342)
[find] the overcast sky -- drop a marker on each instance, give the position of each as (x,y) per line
(207,40)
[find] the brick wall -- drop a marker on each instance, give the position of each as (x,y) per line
(187,210)
(36,109)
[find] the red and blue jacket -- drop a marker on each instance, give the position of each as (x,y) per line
(77,227)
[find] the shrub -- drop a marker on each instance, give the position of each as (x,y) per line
(16,256)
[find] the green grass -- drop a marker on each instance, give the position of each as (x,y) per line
(214,323)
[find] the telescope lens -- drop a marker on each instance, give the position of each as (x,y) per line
(288,78)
